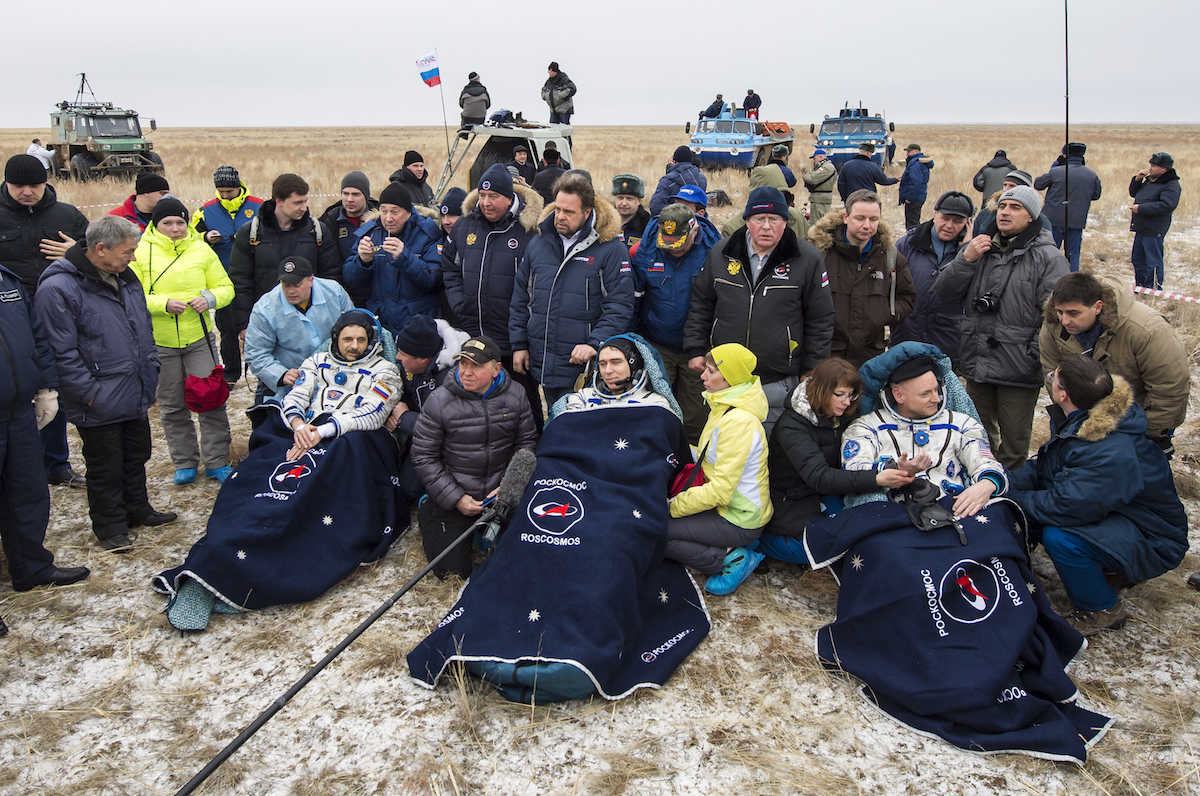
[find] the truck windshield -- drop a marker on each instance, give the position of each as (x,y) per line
(872,126)
(706,127)
(832,127)
(724,126)
(110,126)
(741,127)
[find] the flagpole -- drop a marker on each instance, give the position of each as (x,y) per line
(442,94)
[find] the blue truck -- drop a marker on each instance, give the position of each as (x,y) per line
(840,136)
(732,141)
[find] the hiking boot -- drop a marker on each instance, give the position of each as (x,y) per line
(121,543)
(65,476)
(739,563)
(1089,623)
(152,518)
(1117,581)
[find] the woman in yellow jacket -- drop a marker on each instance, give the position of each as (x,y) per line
(714,524)
(184,279)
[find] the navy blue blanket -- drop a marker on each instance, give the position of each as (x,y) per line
(284,532)
(955,641)
(578,578)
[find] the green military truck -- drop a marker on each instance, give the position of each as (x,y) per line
(93,139)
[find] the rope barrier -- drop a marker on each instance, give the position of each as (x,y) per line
(1149,291)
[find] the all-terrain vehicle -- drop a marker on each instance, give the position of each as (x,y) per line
(840,136)
(92,139)
(499,134)
(733,141)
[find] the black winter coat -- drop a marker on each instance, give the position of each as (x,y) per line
(805,462)
(463,441)
(861,173)
(102,341)
(479,264)
(22,229)
(418,189)
(932,320)
(1156,201)
(254,270)
(543,183)
(26,364)
(1084,186)
(786,317)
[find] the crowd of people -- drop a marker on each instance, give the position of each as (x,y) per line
(813,356)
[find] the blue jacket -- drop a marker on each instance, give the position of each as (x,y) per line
(1085,189)
(26,364)
(102,341)
(1156,201)
(479,263)
(914,182)
(213,216)
(677,176)
(280,337)
(932,320)
(1101,478)
(561,299)
(663,284)
(860,172)
(403,287)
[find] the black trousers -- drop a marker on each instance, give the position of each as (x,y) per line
(24,499)
(530,386)
(116,456)
(912,214)
(440,527)
(231,352)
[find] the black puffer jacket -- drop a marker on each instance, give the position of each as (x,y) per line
(785,317)
(1001,346)
(22,229)
(1156,200)
(254,269)
(418,189)
(26,363)
(463,441)
(805,462)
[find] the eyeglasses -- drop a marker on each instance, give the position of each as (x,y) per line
(765,220)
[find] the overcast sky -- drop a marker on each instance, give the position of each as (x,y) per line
(264,62)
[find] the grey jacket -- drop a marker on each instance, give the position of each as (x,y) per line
(1001,347)
(822,180)
(463,441)
(990,176)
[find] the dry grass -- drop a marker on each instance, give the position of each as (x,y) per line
(101,696)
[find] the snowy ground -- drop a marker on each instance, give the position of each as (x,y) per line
(102,696)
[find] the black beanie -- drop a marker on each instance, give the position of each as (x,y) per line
(497,179)
(226,177)
(473,76)
(24,170)
(419,337)
(682,154)
(412,156)
(149,182)
(452,202)
(553,66)
(765,199)
(166,207)
(396,194)
(911,368)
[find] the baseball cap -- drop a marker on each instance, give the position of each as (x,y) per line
(293,270)
(692,193)
(480,350)
(817,151)
(674,224)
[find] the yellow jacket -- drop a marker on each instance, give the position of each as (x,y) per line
(179,269)
(735,464)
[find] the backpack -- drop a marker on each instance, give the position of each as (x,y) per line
(254,230)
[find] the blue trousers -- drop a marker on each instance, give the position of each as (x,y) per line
(24,499)
(1081,566)
(55,453)
(1070,240)
(1147,259)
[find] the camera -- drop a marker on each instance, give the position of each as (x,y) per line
(988,302)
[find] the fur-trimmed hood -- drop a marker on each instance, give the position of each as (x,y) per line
(825,233)
(1118,300)
(531,205)
(993,201)
(607,221)
(1105,417)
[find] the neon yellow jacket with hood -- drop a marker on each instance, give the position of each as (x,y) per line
(735,464)
(179,269)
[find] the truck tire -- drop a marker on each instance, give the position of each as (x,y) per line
(81,167)
(156,159)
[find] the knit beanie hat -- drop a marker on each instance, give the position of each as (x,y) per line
(553,66)
(452,202)
(1020,177)
(24,170)
(1028,198)
(496,179)
(682,154)
(736,362)
(765,199)
(149,182)
(227,177)
(396,194)
(358,181)
(419,337)
(166,207)
(473,76)
(412,156)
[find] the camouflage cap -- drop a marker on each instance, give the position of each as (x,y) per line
(674,224)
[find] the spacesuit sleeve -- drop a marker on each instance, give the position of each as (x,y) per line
(295,403)
(860,447)
(975,455)
(379,398)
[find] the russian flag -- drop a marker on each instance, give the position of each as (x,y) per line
(428,66)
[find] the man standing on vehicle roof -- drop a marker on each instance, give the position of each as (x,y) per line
(861,173)
(751,104)
(559,93)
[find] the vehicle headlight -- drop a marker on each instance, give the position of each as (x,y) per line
(733,150)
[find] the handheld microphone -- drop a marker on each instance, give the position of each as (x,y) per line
(508,494)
